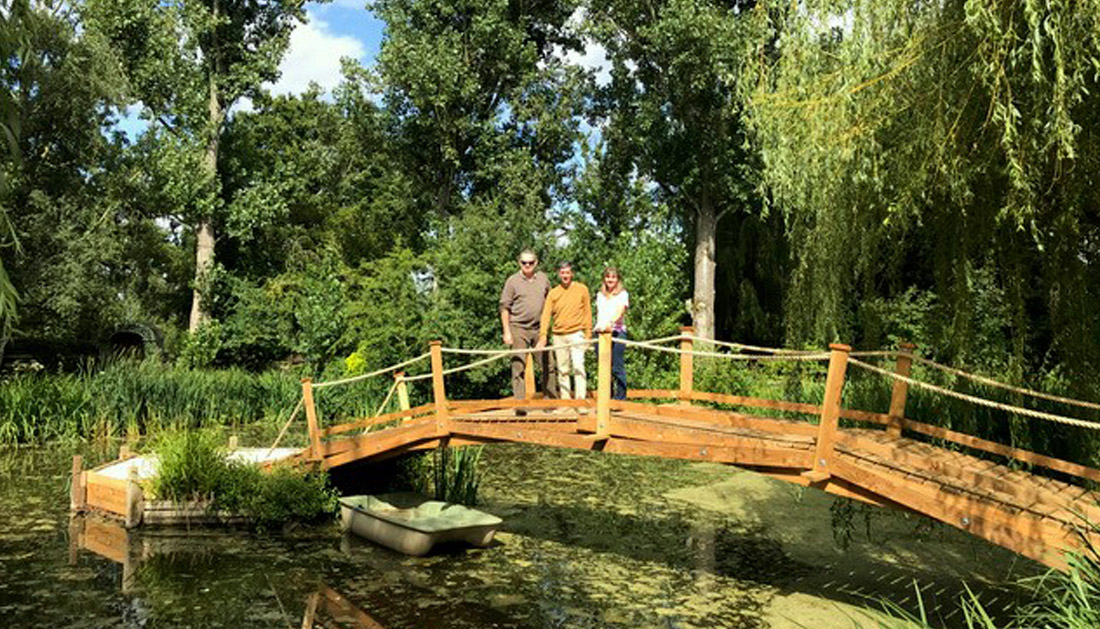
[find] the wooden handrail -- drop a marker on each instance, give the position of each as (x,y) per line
(364,422)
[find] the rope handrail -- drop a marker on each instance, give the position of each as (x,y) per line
(1008,408)
(881,353)
(1008,387)
(751,348)
(512,352)
(763,357)
(282,431)
(495,355)
(331,383)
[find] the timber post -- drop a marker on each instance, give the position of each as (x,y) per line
(79,492)
(687,364)
(603,386)
(135,499)
(439,392)
(315,453)
(402,391)
(529,377)
(830,413)
(901,390)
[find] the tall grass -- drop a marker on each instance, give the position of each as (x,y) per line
(148,396)
(455,474)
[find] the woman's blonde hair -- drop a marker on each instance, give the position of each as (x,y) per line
(618,287)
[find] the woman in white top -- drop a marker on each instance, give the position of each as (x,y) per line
(611,304)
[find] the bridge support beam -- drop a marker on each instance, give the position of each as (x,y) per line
(830,414)
(901,390)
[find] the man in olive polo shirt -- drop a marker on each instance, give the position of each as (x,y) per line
(521,303)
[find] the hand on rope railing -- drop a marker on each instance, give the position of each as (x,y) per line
(1026,412)
(752,357)
(398,366)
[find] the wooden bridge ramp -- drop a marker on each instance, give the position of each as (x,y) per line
(868,459)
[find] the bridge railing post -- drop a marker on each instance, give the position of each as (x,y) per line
(529,377)
(901,390)
(830,413)
(687,364)
(439,393)
(603,387)
(402,390)
(315,453)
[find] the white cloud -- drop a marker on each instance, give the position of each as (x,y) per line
(314,56)
(593,57)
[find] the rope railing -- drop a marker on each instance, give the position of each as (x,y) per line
(289,421)
(385,370)
(1008,408)
(1007,387)
(743,347)
(513,352)
(703,353)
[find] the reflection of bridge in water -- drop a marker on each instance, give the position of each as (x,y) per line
(881,458)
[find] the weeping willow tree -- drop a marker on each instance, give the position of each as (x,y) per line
(13,39)
(943,158)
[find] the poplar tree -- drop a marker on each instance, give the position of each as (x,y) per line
(188,62)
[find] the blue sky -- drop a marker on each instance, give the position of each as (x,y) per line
(345,28)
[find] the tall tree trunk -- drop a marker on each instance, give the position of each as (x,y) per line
(204,230)
(702,303)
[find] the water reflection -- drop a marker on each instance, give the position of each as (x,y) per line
(109,540)
(327,607)
(589,541)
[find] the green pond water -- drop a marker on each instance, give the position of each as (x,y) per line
(589,540)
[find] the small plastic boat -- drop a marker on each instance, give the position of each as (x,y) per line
(412,524)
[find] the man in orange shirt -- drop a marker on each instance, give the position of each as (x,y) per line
(569,305)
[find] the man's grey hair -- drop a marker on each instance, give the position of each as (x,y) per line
(527,252)
(565,264)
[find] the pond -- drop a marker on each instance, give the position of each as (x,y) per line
(589,540)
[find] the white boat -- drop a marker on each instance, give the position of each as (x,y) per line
(412,524)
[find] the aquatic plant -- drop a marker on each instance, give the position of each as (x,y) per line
(194,466)
(456,476)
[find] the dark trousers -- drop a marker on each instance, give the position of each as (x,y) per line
(618,367)
(524,338)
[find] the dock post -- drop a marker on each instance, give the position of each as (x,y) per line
(135,499)
(603,387)
(439,392)
(529,377)
(901,390)
(402,390)
(830,413)
(687,364)
(78,495)
(315,453)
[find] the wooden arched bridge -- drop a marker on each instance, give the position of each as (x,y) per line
(879,456)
